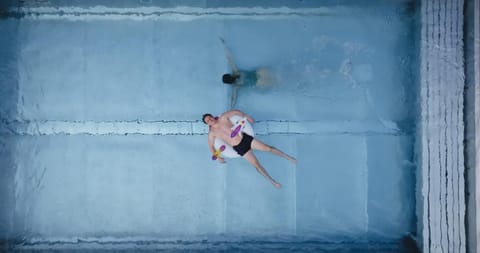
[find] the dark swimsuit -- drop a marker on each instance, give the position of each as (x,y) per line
(248,78)
(245,144)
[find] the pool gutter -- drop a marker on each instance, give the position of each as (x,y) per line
(474,237)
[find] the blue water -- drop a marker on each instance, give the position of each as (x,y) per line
(100,139)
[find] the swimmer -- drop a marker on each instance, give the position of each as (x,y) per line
(241,78)
(242,143)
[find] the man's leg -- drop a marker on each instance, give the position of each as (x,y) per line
(256,144)
(251,158)
(264,79)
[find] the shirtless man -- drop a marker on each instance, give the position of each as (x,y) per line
(242,143)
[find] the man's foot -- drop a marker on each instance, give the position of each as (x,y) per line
(277,185)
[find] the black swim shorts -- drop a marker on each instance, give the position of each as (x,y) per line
(244,145)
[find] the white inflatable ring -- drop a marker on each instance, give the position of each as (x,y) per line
(229,151)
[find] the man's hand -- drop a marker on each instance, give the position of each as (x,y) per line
(221,39)
(221,160)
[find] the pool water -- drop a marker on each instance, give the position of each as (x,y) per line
(101,141)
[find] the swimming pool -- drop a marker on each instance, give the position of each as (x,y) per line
(102,144)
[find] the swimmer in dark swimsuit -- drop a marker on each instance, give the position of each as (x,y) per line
(242,78)
(242,143)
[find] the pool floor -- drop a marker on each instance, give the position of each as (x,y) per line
(100,136)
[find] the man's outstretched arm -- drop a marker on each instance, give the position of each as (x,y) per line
(239,113)
(229,57)
(233,100)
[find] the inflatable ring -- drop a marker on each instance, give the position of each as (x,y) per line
(229,151)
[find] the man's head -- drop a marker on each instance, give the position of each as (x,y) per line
(208,118)
(228,78)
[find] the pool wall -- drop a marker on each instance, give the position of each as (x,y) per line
(8,110)
(472,121)
(442,200)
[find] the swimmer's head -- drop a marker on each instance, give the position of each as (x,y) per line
(230,79)
(207,117)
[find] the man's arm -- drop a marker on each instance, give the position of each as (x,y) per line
(239,113)
(211,141)
(233,100)
(229,58)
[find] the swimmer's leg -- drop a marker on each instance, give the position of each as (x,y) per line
(264,78)
(256,144)
(251,158)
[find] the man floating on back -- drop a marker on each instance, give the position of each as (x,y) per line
(241,142)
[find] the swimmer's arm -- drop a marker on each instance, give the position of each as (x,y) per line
(230,58)
(233,100)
